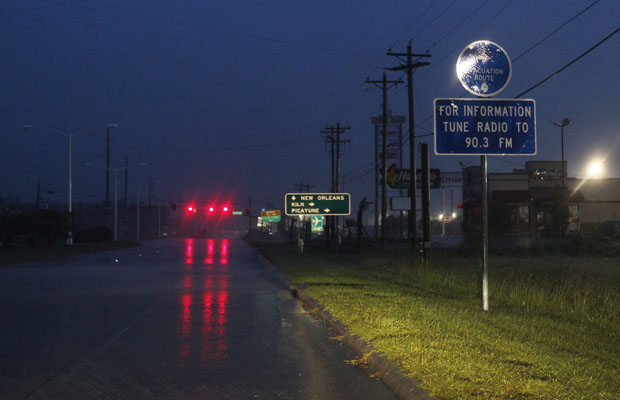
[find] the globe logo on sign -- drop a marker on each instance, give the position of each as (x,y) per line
(483,68)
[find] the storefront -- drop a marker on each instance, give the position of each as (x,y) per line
(531,201)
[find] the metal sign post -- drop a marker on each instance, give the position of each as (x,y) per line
(485,235)
(316,204)
(484,126)
(484,69)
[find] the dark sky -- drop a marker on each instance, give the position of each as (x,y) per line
(226,99)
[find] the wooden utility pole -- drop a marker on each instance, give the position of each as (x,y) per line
(383,84)
(426,201)
(410,66)
(302,187)
(126,178)
(333,138)
(249,212)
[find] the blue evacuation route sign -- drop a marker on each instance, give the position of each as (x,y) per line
(484,68)
(485,127)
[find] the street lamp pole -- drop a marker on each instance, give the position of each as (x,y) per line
(116,204)
(107,172)
(564,123)
(70,136)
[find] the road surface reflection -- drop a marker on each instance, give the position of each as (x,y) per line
(204,301)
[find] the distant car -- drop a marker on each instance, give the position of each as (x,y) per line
(611,228)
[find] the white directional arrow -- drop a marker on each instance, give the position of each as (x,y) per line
(293,198)
(312,204)
(327,210)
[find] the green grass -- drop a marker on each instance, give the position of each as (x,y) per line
(24,254)
(552,331)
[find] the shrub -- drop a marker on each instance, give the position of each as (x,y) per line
(34,225)
(96,234)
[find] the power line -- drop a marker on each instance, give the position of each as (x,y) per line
(555,30)
(418,125)
(357,178)
(185,23)
(466,40)
(455,27)
(434,19)
(413,24)
(570,63)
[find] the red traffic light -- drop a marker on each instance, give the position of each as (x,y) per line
(191,209)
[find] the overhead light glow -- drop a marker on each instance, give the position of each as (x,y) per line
(595,169)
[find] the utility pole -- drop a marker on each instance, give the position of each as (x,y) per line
(126,178)
(302,187)
(107,175)
(36,203)
(150,191)
(107,171)
(410,66)
(333,137)
(249,212)
(383,84)
(426,200)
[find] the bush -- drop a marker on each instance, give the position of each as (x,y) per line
(34,225)
(96,234)
(594,242)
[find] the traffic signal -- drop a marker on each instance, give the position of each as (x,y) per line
(218,209)
(191,209)
(173,206)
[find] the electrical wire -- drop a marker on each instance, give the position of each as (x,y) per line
(559,70)
(413,24)
(555,30)
(553,75)
(434,19)
(455,27)
(564,24)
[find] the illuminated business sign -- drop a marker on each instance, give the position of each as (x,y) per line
(270,216)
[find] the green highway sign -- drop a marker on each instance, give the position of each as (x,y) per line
(317,204)
(270,216)
(317,223)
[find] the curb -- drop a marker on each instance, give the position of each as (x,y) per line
(405,387)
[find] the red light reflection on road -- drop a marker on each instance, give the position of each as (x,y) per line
(186,316)
(210,247)
(224,252)
(189,251)
(186,327)
(210,251)
(214,294)
(187,282)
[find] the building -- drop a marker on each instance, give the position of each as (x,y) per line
(530,201)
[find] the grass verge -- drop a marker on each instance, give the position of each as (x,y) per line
(552,332)
(24,254)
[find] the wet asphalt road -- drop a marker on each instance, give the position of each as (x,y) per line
(173,319)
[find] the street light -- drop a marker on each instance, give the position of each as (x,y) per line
(564,123)
(70,136)
(595,169)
